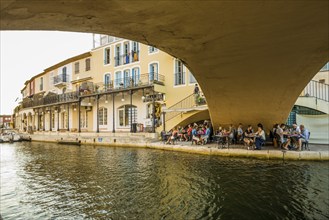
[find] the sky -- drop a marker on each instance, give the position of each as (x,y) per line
(27,53)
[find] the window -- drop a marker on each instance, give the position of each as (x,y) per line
(51,78)
(118,79)
(52,116)
(107,55)
(154,72)
(191,78)
(88,64)
(135,76)
(76,67)
(64,74)
(179,74)
(126,78)
(117,57)
(126,52)
(135,52)
(32,87)
(64,120)
(84,119)
(153,49)
(107,80)
(302,111)
(102,116)
(126,113)
(41,83)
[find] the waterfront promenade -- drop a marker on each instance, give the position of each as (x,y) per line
(150,140)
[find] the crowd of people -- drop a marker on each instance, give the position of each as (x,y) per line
(200,134)
(290,138)
(196,133)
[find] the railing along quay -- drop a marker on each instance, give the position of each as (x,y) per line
(317,90)
(186,103)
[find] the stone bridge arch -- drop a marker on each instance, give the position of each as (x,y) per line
(252,59)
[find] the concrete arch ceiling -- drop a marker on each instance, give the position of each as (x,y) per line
(251,58)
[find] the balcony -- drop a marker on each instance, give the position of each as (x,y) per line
(317,90)
(126,58)
(51,99)
(60,80)
(90,88)
(147,79)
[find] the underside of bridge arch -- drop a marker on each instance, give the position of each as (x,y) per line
(251,58)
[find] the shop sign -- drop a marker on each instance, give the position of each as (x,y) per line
(157,97)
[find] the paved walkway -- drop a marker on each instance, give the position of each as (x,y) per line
(317,152)
(313,147)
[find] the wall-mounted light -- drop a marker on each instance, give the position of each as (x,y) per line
(106,99)
(123,97)
(143,96)
(89,103)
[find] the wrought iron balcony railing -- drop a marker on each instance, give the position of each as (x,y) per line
(90,88)
(317,90)
(131,57)
(146,79)
(51,99)
(61,78)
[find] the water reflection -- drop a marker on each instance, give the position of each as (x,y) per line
(42,181)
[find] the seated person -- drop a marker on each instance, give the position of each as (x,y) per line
(239,133)
(173,137)
(189,132)
(201,131)
(182,134)
(195,136)
(205,137)
(163,135)
(281,132)
(295,129)
(274,135)
(248,136)
(167,135)
(304,136)
(230,133)
(260,137)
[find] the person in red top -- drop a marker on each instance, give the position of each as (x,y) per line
(189,131)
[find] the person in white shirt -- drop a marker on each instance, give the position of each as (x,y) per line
(239,133)
(284,140)
(260,137)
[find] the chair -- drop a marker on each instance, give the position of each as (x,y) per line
(163,136)
(223,142)
(305,144)
(278,140)
(175,138)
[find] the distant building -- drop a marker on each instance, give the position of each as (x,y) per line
(120,85)
(5,121)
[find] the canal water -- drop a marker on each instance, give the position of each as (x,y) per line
(49,181)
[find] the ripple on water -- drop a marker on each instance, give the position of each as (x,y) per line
(47,181)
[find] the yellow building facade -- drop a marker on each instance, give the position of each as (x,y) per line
(118,86)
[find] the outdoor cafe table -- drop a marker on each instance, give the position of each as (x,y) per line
(223,139)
